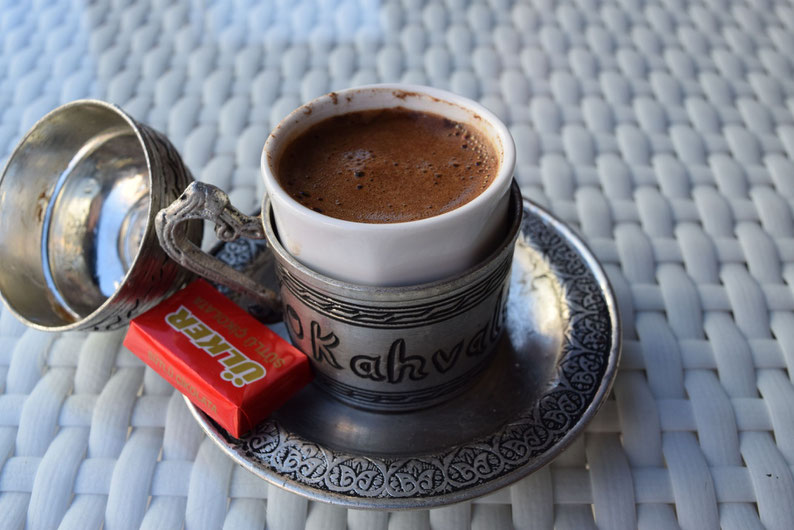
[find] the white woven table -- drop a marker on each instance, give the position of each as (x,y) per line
(663,132)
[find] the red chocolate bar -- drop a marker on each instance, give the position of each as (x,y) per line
(226,362)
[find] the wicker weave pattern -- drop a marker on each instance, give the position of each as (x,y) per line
(662,131)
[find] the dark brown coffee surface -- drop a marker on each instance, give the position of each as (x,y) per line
(387,166)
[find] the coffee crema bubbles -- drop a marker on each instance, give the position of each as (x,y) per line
(387,166)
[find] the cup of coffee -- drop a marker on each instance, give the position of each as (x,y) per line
(389,185)
(392,219)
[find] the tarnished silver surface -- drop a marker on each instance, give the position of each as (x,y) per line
(204,201)
(376,348)
(552,370)
(78,198)
(397,348)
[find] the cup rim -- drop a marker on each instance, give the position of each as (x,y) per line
(458,280)
(80,323)
(499,185)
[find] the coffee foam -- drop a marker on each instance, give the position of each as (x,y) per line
(387,165)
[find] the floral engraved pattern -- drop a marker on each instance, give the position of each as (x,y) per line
(305,459)
(587,350)
(265,440)
(239,253)
(414,477)
(356,473)
(474,463)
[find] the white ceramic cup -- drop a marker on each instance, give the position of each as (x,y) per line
(392,254)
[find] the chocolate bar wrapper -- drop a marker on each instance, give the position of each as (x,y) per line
(227,363)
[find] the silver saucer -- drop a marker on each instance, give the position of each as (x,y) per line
(553,369)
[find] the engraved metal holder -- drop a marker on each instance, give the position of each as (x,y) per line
(552,369)
(377,348)
(78,198)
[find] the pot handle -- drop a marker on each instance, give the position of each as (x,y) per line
(204,201)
